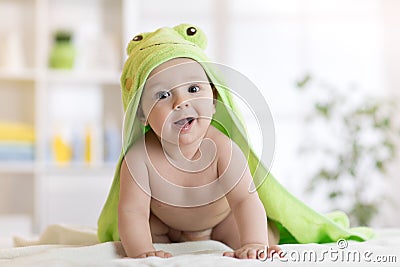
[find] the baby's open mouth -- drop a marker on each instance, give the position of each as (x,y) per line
(185,124)
(186,121)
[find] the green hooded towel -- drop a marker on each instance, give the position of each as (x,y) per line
(297,222)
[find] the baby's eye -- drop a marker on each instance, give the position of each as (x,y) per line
(193,89)
(163,94)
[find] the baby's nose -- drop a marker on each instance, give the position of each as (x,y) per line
(182,106)
(181,103)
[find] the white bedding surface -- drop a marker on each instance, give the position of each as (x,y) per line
(71,246)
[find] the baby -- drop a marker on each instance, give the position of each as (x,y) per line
(178,103)
(180,177)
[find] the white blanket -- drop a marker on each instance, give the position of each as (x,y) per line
(62,245)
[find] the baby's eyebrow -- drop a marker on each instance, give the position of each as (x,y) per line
(197,78)
(162,86)
(155,87)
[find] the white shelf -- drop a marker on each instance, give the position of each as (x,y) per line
(28,88)
(80,169)
(100,77)
(14,167)
(17,75)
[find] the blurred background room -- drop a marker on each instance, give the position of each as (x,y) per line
(327,69)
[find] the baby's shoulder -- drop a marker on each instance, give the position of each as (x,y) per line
(135,152)
(217,136)
(229,155)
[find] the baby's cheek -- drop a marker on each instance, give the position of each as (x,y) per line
(157,120)
(209,110)
(205,106)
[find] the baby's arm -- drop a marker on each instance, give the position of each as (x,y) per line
(246,206)
(134,212)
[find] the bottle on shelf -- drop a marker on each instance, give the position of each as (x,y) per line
(62,149)
(62,55)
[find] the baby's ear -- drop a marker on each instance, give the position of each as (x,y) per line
(140,115)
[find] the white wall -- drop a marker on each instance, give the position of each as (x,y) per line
(391,21)
(343,43)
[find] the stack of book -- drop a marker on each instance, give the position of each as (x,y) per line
(16,142)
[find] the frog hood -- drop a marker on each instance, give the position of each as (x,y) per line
(148,50)
(297,222)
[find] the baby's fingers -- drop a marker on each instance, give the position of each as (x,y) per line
(163,254)
(158,253)
(229,254)
(251,254)
(242,254)
(274,250)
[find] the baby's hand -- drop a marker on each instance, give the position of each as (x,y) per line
(253,251)
(158,253)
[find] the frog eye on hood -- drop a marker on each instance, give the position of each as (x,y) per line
(136,41)
(137,38)
(192,34)
(191,31)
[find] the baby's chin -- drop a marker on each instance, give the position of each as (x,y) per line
(185,135)
(180,139)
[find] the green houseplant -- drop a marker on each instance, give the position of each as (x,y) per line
(360,138)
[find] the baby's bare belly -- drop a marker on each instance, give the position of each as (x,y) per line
(191,219)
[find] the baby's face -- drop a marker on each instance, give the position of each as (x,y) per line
(177,101)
